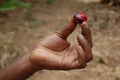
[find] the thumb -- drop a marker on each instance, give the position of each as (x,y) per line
(67,30)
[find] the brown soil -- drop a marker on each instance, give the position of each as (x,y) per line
(21,28)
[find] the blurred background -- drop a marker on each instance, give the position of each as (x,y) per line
(23,22)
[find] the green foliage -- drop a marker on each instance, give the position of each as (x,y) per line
(50,2)
(12,5)
(29,13)
(100,60)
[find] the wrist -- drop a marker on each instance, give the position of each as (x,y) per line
(22,68)
(34,64)
(35,59)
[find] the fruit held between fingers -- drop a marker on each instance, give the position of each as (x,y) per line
(79,18)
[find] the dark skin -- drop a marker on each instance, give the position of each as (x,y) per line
(53,53)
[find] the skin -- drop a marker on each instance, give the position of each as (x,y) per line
(53,53)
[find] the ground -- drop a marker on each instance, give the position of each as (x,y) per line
(20,29)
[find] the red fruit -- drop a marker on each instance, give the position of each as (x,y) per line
(81,17)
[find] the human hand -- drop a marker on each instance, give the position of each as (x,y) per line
(56,53)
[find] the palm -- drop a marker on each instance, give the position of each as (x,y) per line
(54,52)
(61,54)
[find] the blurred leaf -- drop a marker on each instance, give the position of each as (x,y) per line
(12,0)
(100,60)
(22,4)
(29,13)
(8,6)
(50,2)
(13,4)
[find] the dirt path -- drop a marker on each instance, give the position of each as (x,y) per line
(19,34)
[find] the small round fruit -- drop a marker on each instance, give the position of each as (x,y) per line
(81,17)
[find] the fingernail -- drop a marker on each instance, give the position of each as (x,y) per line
(81,36)
(84,24)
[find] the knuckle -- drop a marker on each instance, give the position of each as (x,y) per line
(83,66)
(60,35)
(79,65)
(90,58)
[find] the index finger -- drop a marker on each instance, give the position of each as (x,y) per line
(86,32)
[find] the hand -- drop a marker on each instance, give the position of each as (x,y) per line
(55,52)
